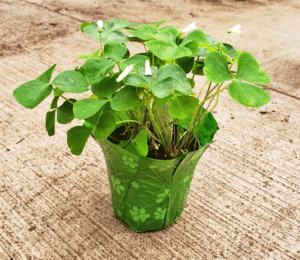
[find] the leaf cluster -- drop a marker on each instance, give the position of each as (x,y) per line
(160,109)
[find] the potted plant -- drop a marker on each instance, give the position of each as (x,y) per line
(152,127)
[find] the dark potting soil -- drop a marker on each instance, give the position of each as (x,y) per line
(119,135)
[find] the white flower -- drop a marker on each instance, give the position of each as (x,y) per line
(236,29)
(100,24)
(147,68)
(125,73)
(191,27)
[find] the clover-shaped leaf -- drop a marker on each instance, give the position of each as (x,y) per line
(105,126)
(139,214)
(115,51)
(65,112)
(145,32)
(161,196)
(50,122)
(87,107)
(167,51)
(97,68)
(248,95)
(160,213)
(183,106)
(216,68)
(167,34)
(248,70)
(77,137)
(32,93)
(125,99)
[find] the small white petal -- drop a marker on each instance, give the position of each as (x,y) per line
(236,29)
(147,68)
(100,24)
(125,73)
(191,27)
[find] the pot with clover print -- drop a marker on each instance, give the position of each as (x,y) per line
(149,194)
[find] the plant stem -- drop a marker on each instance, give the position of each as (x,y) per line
(195,69)
(63,97)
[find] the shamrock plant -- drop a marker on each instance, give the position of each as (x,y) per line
(150,93)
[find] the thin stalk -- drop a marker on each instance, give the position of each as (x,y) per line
(195,69)
(71,102)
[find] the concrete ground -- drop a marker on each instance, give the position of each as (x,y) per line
(244,201)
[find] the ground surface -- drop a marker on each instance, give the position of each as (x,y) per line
(244,201)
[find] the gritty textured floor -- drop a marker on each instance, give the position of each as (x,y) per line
(244,201)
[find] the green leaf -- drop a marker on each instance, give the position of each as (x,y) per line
(57,92)
(199,67)
(167,51)
(160,102)
(50,122)
(32,93)
(92,121)
(97,68)
(120,114)
(118,24)
(46,76)
(115,51)
(83,25)
(125,99)
(145,32)
(137,59)
(105,126)
(216,68)
(248,95)
(138,145)
(92,30)
(147,78)
(113,36)
(159,23)
(193,46)
(65,112)
(77,137)
(183,106)
(202,52)
(54,102)
(184,87)
(230,50)
(237,56)
(186,63)
(171,70)
(167,34)
(89,56)
(164,87)
(210,39)
(134,80)
(195,35)
(71,81)
(86,108)
(248,70)
(107,86)
(207,129)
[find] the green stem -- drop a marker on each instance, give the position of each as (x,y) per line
(195,69)
(63,97)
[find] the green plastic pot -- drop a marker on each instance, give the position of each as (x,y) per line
(148,194)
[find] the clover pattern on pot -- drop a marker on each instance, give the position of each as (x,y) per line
(161,167)
(135,184)
(160,213)
(161,196)
(129,161)
(139,214)
(117,185)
